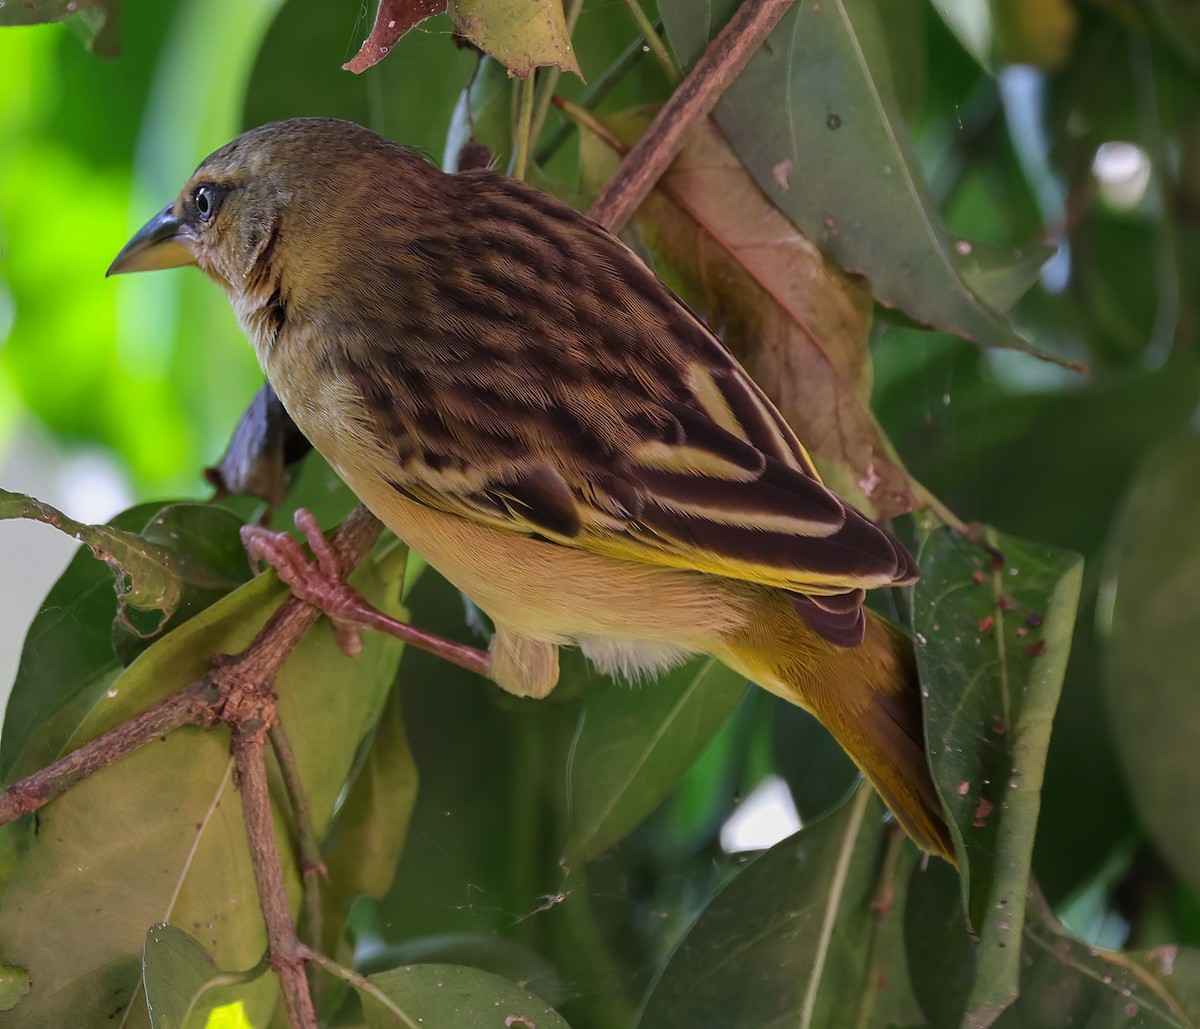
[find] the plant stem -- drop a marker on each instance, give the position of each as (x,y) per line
(249,742)
(524,127)
(654,41)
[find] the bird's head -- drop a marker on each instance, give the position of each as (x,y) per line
(282,178)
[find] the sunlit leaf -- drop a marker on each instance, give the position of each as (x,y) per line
(633,744)
(832,151)
(992,642)
(453,997)
(183,985)
(796,322)
(797,937)
(1151,611)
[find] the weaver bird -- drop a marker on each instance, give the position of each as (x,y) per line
(518,397)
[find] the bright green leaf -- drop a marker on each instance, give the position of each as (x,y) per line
(367,836)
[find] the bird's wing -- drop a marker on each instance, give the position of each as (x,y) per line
(591,407)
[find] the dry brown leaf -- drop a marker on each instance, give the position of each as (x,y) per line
(796,321)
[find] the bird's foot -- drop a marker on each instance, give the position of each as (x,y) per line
(320,583)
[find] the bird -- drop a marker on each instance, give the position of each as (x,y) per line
(515,394)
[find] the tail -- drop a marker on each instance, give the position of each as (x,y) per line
(867,696)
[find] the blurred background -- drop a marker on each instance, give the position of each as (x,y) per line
(1071,123)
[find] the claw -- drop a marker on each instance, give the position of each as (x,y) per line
(318,582)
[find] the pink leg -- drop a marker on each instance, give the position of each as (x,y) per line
(320,583)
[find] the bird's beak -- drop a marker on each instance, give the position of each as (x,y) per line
(163,242)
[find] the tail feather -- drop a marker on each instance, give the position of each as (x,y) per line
(868,697)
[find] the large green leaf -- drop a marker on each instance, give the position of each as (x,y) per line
(634,743)
(801,936)
(815,120)
(992,642)
(453,997)
(159,836)
(1152,617)
(366,838)
(1064,981)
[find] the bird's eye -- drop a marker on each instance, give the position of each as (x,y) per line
(205,198)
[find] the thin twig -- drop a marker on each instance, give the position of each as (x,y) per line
(593,95)
(653,40)
(524,127)
(360,983)
(312,868)
(191,705)
(695,98)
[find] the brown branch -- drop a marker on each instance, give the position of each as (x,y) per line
(191,705)
(695,98)
(249,741)
(312,868)
(195,704)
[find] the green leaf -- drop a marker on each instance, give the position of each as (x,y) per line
(971,22)
(483,114)
(160,835)
(183,985)
(992,644)
(1067,982)
(796,936)
(205,541)
(633,744)
(452,997)
(834,155)
(67,659)
(520,34)
(1064,981)
(1150,604)
(147,576)
(366,838)
(14,984)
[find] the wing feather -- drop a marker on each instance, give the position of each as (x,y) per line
(622,426)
